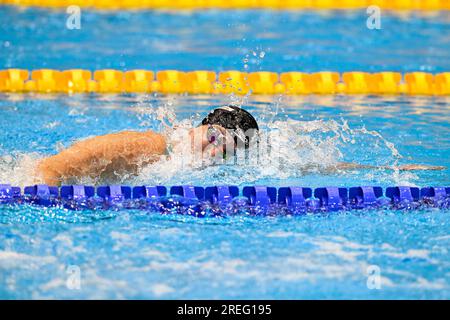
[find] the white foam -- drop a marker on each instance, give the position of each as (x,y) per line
(299,147)
(19,168)
(161,289)
(12,259)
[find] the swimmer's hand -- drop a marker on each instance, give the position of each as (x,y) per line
(407,167)
(411,167)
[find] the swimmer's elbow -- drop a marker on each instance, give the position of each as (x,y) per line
(46,174)
(154,145)
(159,143)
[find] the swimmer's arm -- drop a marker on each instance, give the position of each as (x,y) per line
(408,167)
(91,157)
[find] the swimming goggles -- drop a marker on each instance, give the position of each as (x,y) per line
(216,137)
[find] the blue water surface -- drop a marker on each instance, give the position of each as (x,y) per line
(225,39)
(119,254)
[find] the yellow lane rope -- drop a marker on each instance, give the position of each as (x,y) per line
(239,4)
(226,82)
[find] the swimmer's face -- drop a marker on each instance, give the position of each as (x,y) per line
(211,140)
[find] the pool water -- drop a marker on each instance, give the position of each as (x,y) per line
(222,40)
(140,254)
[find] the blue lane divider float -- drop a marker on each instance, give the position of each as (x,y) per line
(436,196)
(77,193)
(403,196)
(76,196)
(114,193)
(366,197)
(332,198)
(260,195)
(297,198)
(174,198)
(41,194)
(189,192)
(221,194)
(8,193)
(149,192)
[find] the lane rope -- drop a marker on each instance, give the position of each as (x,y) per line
(226,82)
(196,199)
(238,4)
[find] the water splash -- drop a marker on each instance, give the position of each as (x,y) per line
(19,168)
(300,147)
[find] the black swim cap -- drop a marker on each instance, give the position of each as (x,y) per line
(233,118)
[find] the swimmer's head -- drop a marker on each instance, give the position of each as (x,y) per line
(238,122)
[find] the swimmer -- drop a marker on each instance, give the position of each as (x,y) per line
(124,153)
